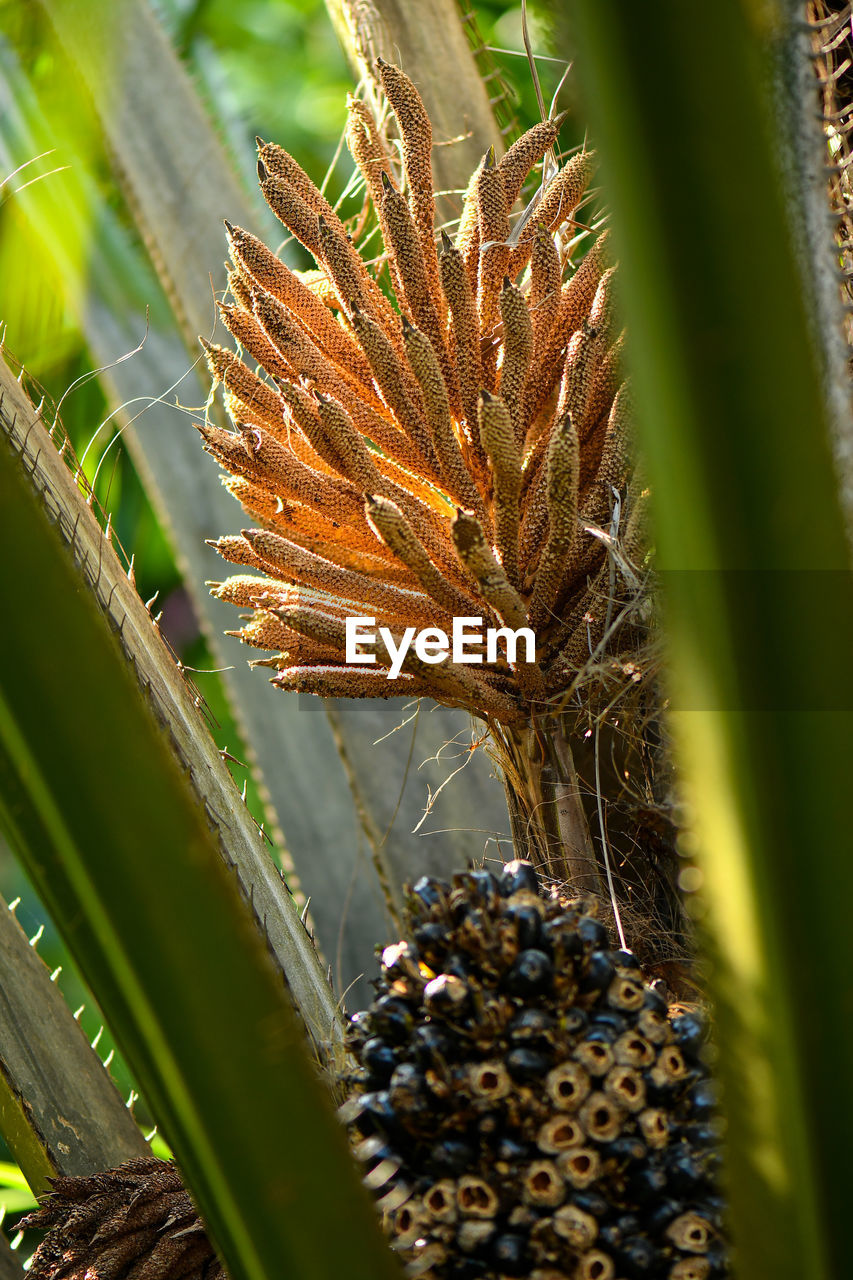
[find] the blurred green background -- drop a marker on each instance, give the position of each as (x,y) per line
(267,67)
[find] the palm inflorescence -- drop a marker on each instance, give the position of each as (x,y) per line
(456,455)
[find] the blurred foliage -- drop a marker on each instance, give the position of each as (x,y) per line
(15,1194)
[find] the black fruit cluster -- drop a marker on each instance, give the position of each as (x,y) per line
(528,1104)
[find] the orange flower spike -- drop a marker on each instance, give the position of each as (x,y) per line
(291,210)
(317,624)
(638,525)
(602,311)
(416,134)
(353,546)
(566,189)
(608,377)
(545,282)
(348,682)
(236,550)
(534,525)
(349,446)
(270,274)
(240,287)
(306,361)
(492,212)
(425,366)
(356,460)
(376,563)
(302,357)
(415,485)
(228,368)
(327,627)
(401,238)
(562,196)
(246,455)
(316,280)
(432,531)
(302,414)
(325,238)
(518,349)
(615,461)
(391,379)
(468,232)
(577,295)
(282,558)
(234,452)
(395,531)
(287,475)
(281,164)
(525,152)
(479,559)
(241,589)
(367,148)
(576,298)
(353,284)
(450,681)
(259,503)
(562,497)
(265,631)
(498,439)
(601,324)
(464,337)
(579,373)
(243,326)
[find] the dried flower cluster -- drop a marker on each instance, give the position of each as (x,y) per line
(444,459)
(135,1222)
(528,1103)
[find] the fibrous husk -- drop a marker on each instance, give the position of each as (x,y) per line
(136,1222)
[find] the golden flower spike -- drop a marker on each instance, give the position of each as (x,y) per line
(453,452)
